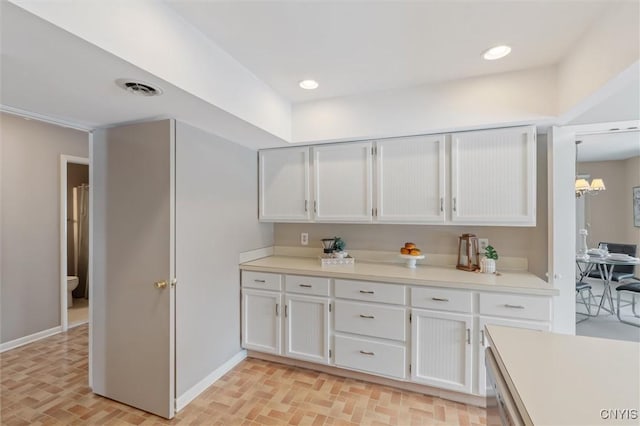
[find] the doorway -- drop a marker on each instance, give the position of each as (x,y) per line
(74,241)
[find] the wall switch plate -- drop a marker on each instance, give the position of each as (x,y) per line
(304,239)
(482,244)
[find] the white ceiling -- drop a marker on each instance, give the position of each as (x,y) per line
(354,47)
(48,71)
(358,46)
(609,146)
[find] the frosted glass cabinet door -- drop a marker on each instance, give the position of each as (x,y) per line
(410,180)
(307,328)
(493,177)
(442,349)
(261,325)
(343,175)
(284,185)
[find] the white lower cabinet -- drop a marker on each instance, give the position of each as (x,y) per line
(261,326)
(371,356)
(483,343)
(307,328)
(442,349)
(435,337)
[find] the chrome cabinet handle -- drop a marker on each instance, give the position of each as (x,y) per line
(367,353)
(305,285)
(367,316)
(468,336)
(506,305)
(286,310)
(482,337)
(366,292)
(306,205)
(277,312)
(315,206)
(260,281)
(440,299)
(441,204)
(455,204)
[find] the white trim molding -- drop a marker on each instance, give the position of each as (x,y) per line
(44,118)
(191,394)
(12,344)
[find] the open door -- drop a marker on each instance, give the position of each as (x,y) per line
(132,356)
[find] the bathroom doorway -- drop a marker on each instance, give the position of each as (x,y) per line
(74,241)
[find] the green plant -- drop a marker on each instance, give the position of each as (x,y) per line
(339,244)
(491,253)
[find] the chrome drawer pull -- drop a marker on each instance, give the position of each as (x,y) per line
(468,336)
(367,316)
(305,285)
(482,337)
(367,353)
(366,292)
(506,305)
(439,299)
(259,281)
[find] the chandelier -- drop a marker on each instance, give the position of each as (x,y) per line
(582,185)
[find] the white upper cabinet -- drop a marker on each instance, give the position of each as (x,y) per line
(483,177)
(410,180)
(343,175)
(493,177)
(284,185)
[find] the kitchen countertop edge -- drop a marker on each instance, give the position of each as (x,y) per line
(399,274)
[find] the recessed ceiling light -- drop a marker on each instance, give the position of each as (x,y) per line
(496,52)
(309,84)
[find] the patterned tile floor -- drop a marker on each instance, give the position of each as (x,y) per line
(45,383)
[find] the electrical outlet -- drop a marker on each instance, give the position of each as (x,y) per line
(304,239)
(482,244)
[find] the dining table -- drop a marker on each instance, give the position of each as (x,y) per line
(605,266)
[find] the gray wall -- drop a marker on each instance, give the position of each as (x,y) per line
(30,159)
(216,219)
(529,242)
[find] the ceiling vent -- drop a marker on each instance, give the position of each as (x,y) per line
(138,87)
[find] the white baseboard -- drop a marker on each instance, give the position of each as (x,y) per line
(29,339)
(250,255)
(184,399)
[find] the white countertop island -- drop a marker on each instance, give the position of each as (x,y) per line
(513,282)
(558,379)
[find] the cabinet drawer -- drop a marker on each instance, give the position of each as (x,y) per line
(386,322)
(516,306)
(317,286)
(442,299)
(261,280)
(371,292)
(386,359)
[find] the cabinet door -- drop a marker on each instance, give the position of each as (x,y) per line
(410,180)
(441,355)
(493,177)
(343,175)
(284,185)
(483,343)
(307,328)
(261,326)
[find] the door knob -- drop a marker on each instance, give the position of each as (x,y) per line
(160,284)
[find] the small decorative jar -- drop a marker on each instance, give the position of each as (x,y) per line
(487,266)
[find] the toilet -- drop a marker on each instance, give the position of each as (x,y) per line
(72,283)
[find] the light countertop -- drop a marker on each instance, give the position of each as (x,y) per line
(513,282)
(558,379)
